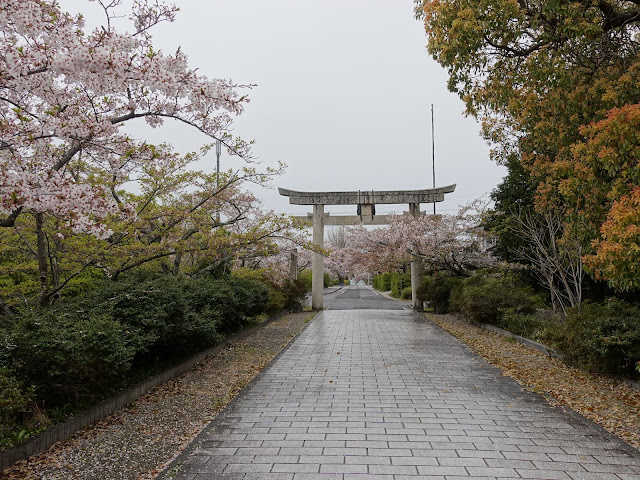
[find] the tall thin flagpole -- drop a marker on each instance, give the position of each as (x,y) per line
(433,156)
(218,151)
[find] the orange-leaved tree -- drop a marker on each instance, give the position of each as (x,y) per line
(556,85)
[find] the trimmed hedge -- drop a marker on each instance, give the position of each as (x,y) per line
(395,282)
(398,282)
(437,291)
(86,348)
(604,337)
(483,298)
(382,282)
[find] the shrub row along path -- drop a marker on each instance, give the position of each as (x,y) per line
(138,441)
(384,393)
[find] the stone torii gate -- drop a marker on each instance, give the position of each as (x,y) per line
(366,202)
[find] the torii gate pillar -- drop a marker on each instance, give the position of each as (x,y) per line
(317,275)
(366,201)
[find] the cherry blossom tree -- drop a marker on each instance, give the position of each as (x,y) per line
(67,164)
(66,96)
(455,243)
(336,263)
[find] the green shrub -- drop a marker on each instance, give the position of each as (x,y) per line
(482,298)
(406,293)
(398,282)
(293,291)
(423,289)
(305,276)
(15,404)
(382,282)
(280,295)
(531,325)
(602,336)
(251,296)
(69,356)
(162,313)
(437,290)
(235,300)
(275,301)
(150,311)
(85,348)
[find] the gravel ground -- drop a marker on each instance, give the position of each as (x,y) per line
(611,403)
(139,440)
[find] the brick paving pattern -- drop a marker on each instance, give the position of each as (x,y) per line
(383,394)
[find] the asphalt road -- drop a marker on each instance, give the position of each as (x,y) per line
(360,298)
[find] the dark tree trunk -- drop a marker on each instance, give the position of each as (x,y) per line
(43,260)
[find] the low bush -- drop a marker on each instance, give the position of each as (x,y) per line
(280,295)
(382,282)
(532,326)
(406,293)
(15,414)
(292,291)
(398,282)
(70,356)
(483,297)
(85,348)
(437,290)
(304,276)
(604,337)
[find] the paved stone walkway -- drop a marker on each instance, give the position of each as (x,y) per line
(381,394)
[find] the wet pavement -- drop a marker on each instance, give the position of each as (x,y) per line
(360,298)
(377,392)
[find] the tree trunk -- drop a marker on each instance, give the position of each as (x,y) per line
(178,258)
(43,259)
(176,263)
(55,266)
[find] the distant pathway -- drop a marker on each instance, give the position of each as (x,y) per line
(382,394)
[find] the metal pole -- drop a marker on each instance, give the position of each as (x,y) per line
(433,156)
(218,151)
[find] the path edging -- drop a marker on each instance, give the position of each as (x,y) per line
(525,341)
(73,424)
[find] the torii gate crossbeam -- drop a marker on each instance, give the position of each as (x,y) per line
(366,201)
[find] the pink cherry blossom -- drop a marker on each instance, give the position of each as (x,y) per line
(65,96)
(449,242)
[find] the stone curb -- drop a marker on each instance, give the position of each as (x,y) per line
(525,341)
(62,431)
(336,290)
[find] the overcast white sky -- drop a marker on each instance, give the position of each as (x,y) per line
(343,97)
